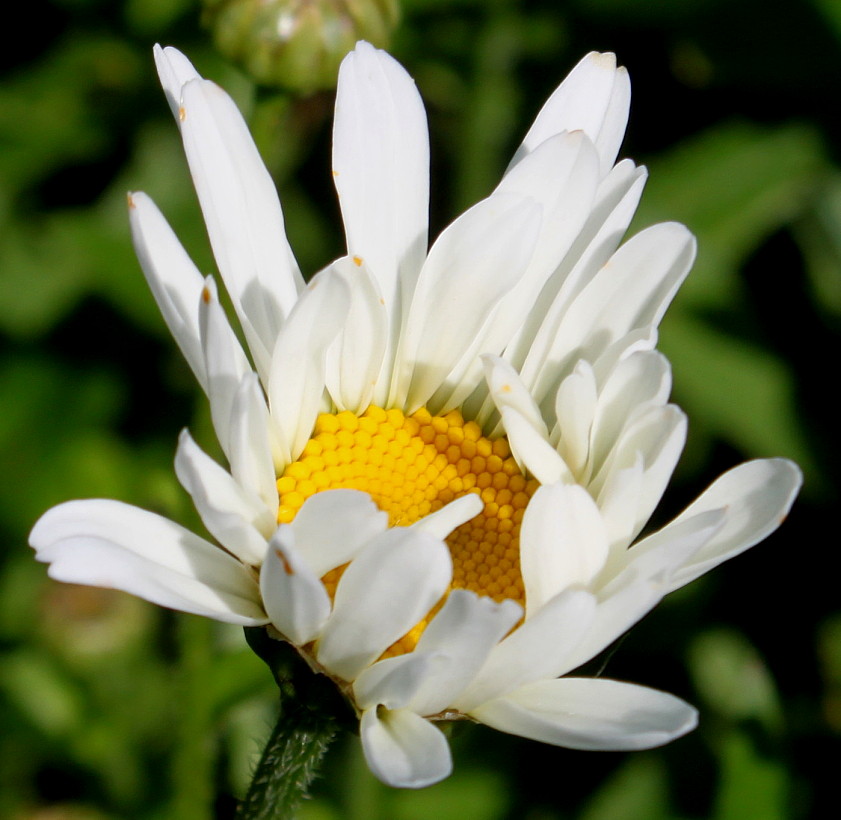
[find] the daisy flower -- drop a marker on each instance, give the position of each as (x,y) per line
(440,460)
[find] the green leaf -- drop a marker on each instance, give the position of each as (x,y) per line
(42,691)
(732,186)
(479,795)
(732,678)
(752,787)
(734,390)
(637,791)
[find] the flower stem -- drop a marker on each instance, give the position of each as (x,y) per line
(311,714)
(288,764)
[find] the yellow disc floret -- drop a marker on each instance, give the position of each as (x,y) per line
(412,466)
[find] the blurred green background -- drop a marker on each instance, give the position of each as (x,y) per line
(112,708)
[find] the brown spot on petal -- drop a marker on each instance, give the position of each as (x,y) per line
(287,567)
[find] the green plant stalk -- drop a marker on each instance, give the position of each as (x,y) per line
(289,763)
(312,712)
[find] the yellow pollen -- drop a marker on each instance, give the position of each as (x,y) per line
(412,466)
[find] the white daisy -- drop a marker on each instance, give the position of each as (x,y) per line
(438,460)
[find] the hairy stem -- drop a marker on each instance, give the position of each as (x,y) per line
(312,712)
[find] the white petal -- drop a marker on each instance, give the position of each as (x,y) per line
(620,502)
(442,522)
(355,361)
(242,212)
(532,451)
(632,583)
(224,361)
(563,542)
(640,340)
(393,682)
(595,98)
(174,280)
(473,264)
(630,291)
(384,592)
(294,597)
(624,602)
(609,217)
(403,749)
(658,436)
(561,175)
(381,170)
(537,649)
(756,497)
(174,71)
(461,634)
(296,381)
(637,284)
(575,406)
(333,525)
(114,545)
(250,450)
(662,554)
(508,390)
(595,714)
(638,382)
(611,213)
(237,518)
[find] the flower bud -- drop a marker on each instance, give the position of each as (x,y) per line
(296,44)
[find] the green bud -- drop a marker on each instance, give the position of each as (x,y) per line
(296,44)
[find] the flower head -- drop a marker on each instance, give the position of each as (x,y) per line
(440,461)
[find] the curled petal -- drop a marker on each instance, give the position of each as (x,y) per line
(393,682)
(403,749)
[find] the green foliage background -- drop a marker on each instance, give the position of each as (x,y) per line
(111,708)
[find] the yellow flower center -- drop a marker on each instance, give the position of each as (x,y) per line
(412,466)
